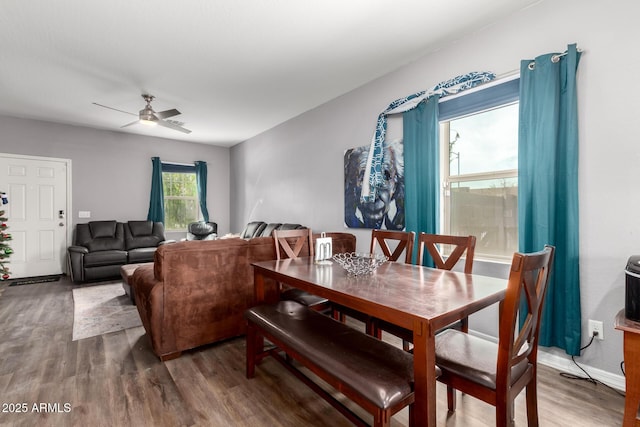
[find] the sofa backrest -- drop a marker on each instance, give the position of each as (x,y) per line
(143,234)
(100,235)
(253,229)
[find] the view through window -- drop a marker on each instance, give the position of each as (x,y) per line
(480,179)
(180,200)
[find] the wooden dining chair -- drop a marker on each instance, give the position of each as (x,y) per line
(401,240)
(392,244)
(433,243)
(290,244)
(497,373)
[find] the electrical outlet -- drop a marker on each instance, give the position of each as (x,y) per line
(596,327)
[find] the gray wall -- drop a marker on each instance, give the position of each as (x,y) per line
(111,171)
(294,171)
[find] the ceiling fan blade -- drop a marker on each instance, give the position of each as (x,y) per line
(115,109)
(129,124)
(167,113)
(172,126)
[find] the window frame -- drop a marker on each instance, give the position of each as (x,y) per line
(501,93)
(181,169)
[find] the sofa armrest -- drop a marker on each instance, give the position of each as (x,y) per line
(76,262)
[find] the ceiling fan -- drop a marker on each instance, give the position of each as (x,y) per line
(147,116)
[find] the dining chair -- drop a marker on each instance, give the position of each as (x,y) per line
(392,244)
(403,241)
(497,372)
(290,244)
(433,243)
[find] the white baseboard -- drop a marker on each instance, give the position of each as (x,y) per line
(565,364)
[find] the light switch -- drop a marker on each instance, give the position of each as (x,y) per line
(84,214)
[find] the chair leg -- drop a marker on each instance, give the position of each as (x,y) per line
(406,346)
(505,412)
(451,398)
(532,403)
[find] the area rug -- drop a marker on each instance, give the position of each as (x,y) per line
(102,309)
(37,279)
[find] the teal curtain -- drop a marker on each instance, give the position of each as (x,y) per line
(201,183)
(156,200)
(421,168)
(548,187)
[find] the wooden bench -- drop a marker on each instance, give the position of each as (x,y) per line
(374,374)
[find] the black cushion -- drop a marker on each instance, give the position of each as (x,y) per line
(269,229)
(102,229)
(100,258)
(253,229)
(140,255)
(143,234)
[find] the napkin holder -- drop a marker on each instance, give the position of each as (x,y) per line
(323,249)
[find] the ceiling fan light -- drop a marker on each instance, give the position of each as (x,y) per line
(148,122)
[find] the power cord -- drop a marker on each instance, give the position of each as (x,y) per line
(588,377)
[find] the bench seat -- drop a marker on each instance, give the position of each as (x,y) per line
(374,374)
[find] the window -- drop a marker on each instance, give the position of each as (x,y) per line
(479,167)
(181,205)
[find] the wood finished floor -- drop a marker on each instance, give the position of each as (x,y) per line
(115,380)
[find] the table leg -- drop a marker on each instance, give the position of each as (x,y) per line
(424,371)
(258,286)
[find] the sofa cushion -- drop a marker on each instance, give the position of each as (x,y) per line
(139,255)
(111,236)
(100,258)
(102,229)
(143,234)
(253,229)
(269,229)
(140,228)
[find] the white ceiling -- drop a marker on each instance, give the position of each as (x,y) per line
(233,68)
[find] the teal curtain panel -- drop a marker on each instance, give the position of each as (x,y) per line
(548,187)
(156,199)
(201,183)
(422,168)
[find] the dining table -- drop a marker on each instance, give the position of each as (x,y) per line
(417,298)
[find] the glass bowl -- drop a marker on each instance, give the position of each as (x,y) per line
(360,264)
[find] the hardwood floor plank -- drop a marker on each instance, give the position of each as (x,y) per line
(116,380)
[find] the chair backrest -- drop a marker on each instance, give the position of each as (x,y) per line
(460,243)
(404,241)
(528,281)
(284,238)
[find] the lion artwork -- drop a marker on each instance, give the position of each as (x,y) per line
(387,210)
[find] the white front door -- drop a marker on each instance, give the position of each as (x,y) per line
(37,213)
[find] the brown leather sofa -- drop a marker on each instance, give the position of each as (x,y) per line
(196,292)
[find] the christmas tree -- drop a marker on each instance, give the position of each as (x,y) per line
(5,250)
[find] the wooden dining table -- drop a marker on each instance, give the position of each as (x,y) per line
(417,298)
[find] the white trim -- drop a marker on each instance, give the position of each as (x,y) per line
(69,214)
(565,364)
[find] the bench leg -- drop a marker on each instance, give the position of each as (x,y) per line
(381,418)
(255,341)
